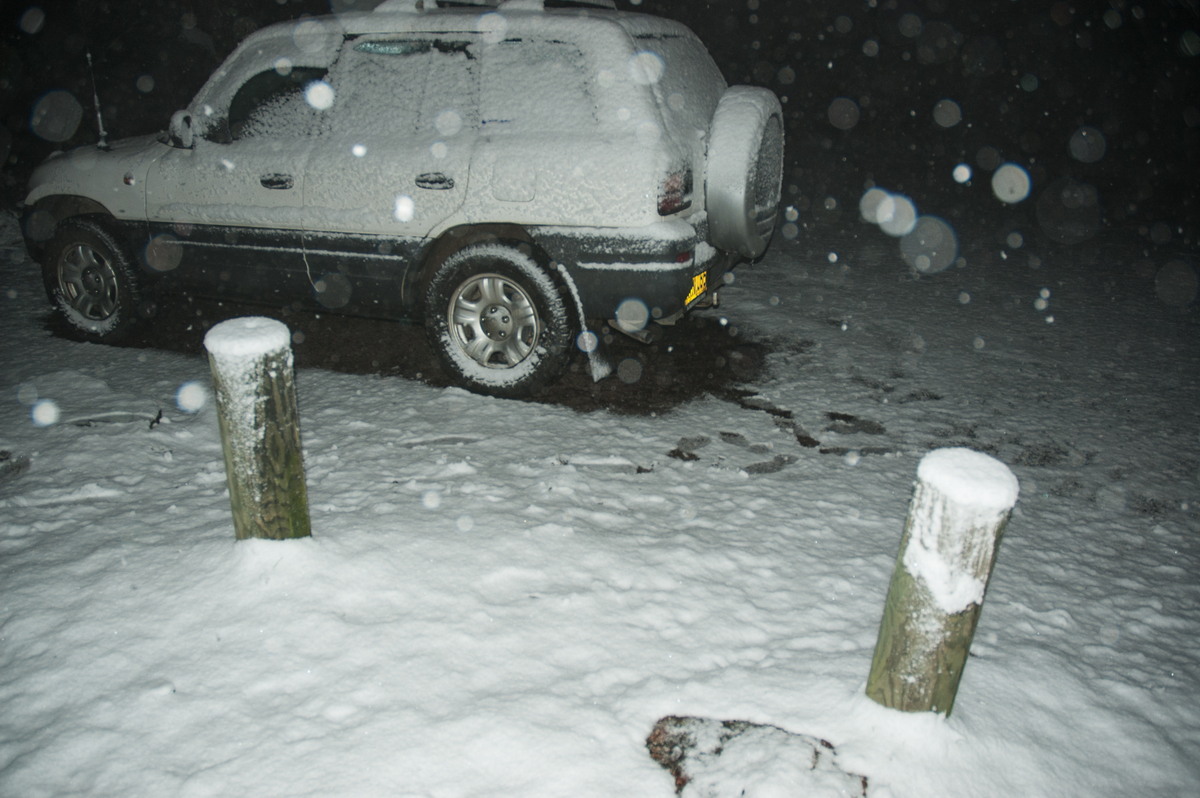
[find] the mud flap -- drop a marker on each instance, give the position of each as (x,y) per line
(588,341)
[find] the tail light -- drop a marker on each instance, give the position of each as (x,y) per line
(675,193)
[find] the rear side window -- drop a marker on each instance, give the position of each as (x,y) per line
(398,87)
(378,87)
(531,87)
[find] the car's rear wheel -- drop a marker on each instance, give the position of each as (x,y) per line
(498,320)
(91,280)
(745,170)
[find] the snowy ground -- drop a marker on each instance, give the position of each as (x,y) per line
(501,598)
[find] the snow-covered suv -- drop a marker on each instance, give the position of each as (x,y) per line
(509,174)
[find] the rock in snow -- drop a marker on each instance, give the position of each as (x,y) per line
(738,759)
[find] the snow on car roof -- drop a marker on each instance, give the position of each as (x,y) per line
(300,42)
(482,18)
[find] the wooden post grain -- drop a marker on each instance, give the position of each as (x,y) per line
(960,505)
(251,361)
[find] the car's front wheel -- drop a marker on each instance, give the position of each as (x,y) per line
(91,280)
(498,320)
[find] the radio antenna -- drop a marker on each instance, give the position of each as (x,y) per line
(103,142)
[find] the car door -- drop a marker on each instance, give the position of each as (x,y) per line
(392,166)
(226,214)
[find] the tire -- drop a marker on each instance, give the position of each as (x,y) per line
(744,174)
(498,320)
(91,281)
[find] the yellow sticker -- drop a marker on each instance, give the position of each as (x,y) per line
(699,287)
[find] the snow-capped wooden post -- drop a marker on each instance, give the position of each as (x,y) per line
(251,361)
(960,505)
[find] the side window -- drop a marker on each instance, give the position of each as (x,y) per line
(273,103)
(451,103)
(531,86)
(377,88)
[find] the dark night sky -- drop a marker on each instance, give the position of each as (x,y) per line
(1026,75)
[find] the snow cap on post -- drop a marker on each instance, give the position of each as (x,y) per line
(970,479)
(249,337)
(962,500)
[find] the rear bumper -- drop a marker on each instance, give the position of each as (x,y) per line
(658,271)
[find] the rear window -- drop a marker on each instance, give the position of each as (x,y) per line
(686,82)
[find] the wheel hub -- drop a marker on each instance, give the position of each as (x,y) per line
(496,322)
(92,281)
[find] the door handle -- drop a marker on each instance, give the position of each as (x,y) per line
(277,181)
(435,180)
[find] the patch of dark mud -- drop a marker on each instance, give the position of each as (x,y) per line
(873,384)
(696,357)
(12,465)
(752,400)
(920,395)
(863,451)
(772,466)
(686,448)
(955,430)
(738,439)
(847,424)
(1151,505)
(804,439)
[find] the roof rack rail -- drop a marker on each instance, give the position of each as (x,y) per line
(400,6)
(609,4)
(417,6)
(542,5)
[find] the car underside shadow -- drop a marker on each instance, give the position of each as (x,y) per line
(698,356)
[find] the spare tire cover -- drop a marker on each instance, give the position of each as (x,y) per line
(745,170)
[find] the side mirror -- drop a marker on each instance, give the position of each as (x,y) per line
(181,132)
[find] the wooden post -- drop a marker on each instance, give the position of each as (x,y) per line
(251,361)
(960,505)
